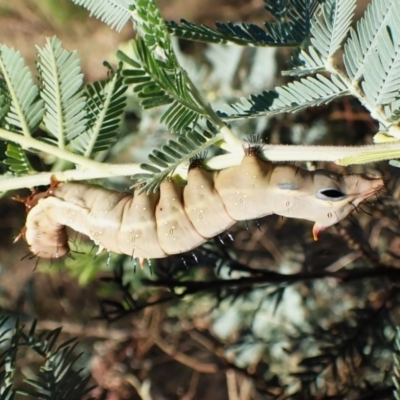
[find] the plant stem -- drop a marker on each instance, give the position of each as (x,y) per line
(44,178)
(338,154)
(28,143)
(90,169)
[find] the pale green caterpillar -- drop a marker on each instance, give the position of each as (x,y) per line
(179,219)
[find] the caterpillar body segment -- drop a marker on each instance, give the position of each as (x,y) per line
(179,219)
(244,189)
(138,234)
(203,205)
(176,233)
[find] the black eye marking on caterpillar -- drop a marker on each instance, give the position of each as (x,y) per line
(331,194)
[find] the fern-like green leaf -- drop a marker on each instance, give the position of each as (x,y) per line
(382,77)
(277,8)
(17,160)
(62,81)
(328,29)
(58,378)
(175,152)
(9,339)
(292,29)
(305,62)
(331,26)
(106,102)
(25,109)
(114,13)
(152,29)
(396,366)
(157,85)
(307,92)
(4,105)
(363,42)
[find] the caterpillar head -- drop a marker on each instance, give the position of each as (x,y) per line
(338,196)
(320,196)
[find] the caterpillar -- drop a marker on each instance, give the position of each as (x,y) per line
(178,219)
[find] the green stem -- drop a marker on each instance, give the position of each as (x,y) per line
(44,178)
(90,169)
(337,154)
(31,143)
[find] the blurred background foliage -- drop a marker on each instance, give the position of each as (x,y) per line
(262,312)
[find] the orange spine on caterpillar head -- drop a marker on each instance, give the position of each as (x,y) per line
(178,219)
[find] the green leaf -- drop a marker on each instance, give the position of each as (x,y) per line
(305,62)
(25,109)
(362,43)
(17,160)
(396,366)
(114,13)
(292,28)
(329,27)
(58,377)
(307,92)
(62,81)
(106,103)
(152,29)
(4,104)
(381,82)
(175,152)
(157,85)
